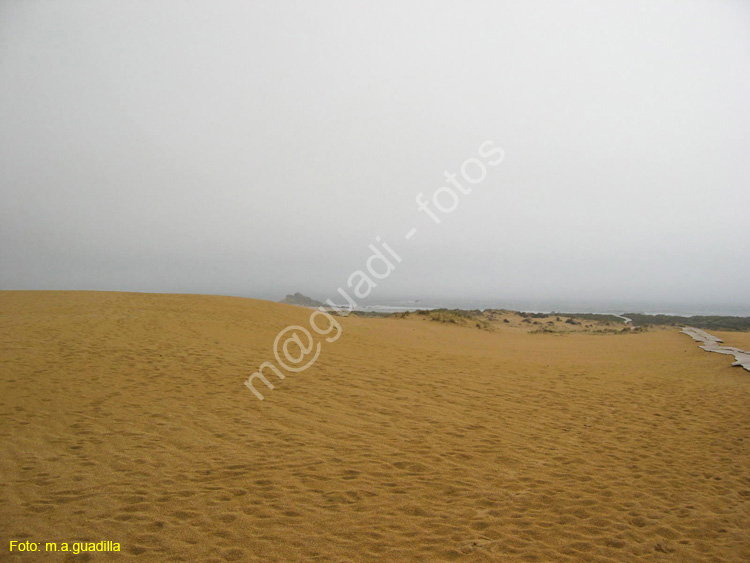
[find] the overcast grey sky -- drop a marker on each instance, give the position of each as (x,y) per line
(257,148)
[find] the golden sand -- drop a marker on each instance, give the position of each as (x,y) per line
(739,340)
(125,419)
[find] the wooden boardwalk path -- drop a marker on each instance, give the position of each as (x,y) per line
(713,344)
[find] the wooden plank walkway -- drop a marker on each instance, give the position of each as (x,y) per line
(713,344)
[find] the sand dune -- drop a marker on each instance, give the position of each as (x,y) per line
(125,418)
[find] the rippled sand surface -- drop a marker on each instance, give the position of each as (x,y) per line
(125,418)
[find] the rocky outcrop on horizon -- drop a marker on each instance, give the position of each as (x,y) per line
(301,300)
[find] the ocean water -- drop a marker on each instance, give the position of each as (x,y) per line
(530,306)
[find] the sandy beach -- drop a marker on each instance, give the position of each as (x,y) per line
(125,419)
(520,205)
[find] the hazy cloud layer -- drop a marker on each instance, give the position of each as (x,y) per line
(257,148)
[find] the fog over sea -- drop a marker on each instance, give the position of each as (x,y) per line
(540,306)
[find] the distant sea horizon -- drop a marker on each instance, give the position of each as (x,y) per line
(538,306)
